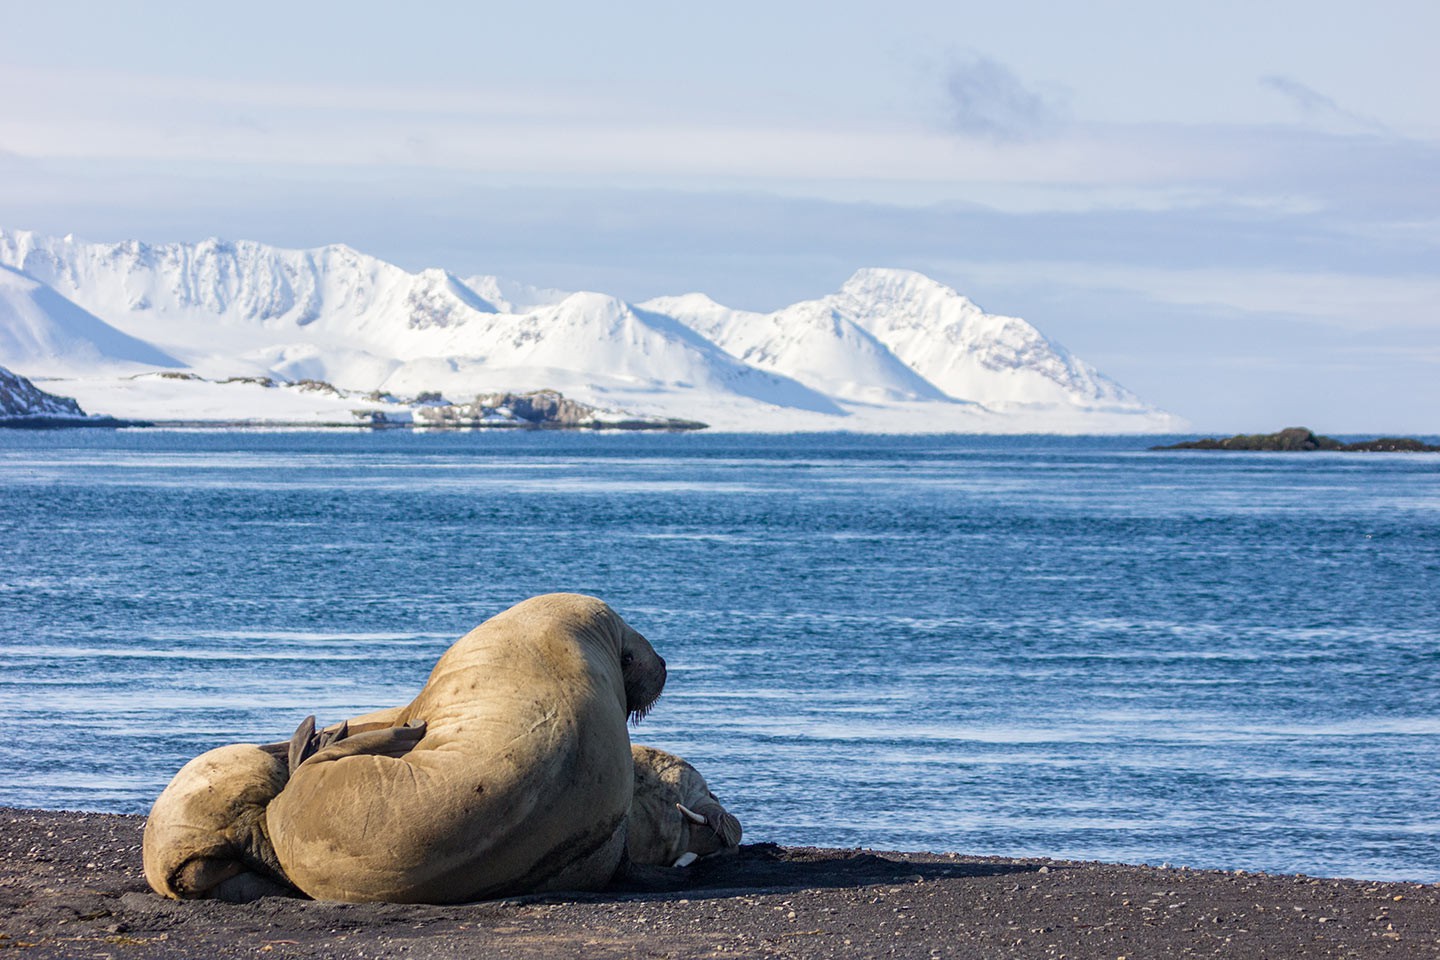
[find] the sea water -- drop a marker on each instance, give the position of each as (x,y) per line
(1066,647)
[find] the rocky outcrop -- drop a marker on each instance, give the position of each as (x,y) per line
(1391,445)
(19,398)
(1301,439)
(539,409)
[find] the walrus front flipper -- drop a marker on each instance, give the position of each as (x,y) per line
(210,878)
(196,879)
(250,886)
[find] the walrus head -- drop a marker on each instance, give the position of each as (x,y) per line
(644,673)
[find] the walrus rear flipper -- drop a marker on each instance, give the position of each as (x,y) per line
(302,743)
(387,742)
(306,742)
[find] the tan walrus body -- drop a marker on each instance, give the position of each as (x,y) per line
(205,836)
(674,817)
(522,781)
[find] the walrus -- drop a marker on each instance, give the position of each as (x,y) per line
(674,818)
(521,783)
(206,835)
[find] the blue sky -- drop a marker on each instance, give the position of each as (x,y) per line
(1233,209)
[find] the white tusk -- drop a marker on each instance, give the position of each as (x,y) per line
(690,815)
(688,857)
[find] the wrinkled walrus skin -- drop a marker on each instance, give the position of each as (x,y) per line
(521,783)
(673,813)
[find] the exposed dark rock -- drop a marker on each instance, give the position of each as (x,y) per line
(539,409)
(541,406)
(1392,445)
(316,386)
(376,418)
(1299,439)
(24,406)
(21,398)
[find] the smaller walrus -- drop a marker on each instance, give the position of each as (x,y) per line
(206,836)
(674,818)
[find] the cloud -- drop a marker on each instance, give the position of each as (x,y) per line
(1316,105)
(1352,301)
(985,99)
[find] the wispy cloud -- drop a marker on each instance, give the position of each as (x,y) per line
(1356,302)
(1318,106)
(987,100)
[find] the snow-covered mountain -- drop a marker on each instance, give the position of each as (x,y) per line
(898,335)
(891,350)
(46,333)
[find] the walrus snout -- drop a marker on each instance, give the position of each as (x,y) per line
(644,673)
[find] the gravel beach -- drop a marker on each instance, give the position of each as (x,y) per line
(71,886)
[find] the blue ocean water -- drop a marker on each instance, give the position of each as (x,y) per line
(1048,646)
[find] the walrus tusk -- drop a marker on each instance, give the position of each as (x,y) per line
(688,857)
(691,815)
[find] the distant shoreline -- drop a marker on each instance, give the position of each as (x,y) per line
(70,423)
(113,423)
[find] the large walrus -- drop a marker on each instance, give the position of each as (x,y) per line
(521,783)
(674,818)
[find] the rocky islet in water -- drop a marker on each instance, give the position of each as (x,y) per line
(1301,440)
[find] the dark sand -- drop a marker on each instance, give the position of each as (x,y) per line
(71,886)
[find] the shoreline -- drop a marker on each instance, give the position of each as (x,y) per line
(71,886)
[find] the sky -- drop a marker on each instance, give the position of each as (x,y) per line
(1231,208)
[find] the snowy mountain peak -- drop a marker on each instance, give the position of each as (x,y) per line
(904,296)
(892,285)
(998,360)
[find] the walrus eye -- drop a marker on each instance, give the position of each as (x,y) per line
(626,658)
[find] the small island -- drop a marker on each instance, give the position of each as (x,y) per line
(1303,439)
(538,409)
